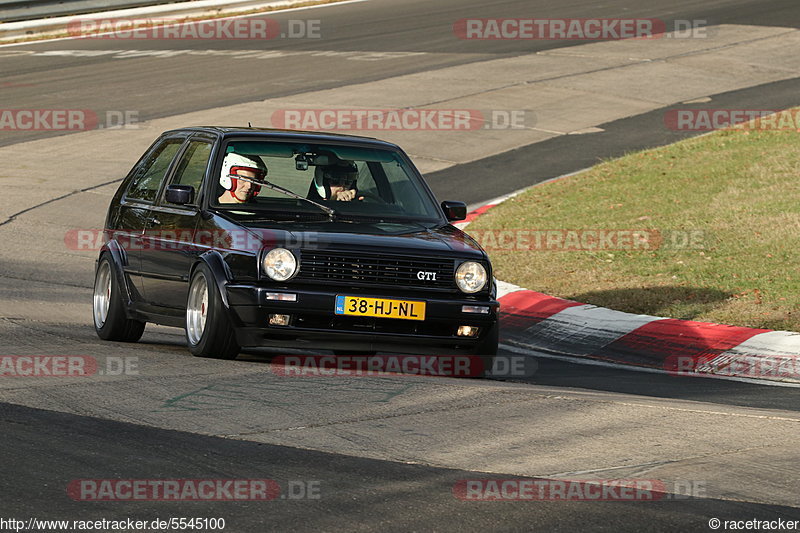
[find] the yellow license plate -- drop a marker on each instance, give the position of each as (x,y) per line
(380,307)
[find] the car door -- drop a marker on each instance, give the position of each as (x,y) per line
(139,198)
(170,252)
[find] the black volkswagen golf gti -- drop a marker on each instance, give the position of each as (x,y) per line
(255,237)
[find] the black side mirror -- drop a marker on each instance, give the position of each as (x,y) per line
(454,210)
(180,194)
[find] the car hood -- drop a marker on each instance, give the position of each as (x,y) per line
(392,237)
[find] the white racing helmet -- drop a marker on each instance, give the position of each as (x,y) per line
(235,162)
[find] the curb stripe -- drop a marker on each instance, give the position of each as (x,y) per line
(522,309)
(472,215)
(579,330)
(662,342)
(770,343)
(549,326)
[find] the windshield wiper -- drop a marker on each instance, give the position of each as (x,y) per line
(269,185)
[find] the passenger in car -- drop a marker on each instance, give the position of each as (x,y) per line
(335,182)
(238,191)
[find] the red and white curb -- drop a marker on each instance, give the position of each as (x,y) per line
(542,325)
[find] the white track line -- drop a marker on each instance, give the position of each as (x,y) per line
(111,14)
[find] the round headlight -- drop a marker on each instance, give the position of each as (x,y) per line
(471,277)
(279,264)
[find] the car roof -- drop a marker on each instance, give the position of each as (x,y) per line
(293,135)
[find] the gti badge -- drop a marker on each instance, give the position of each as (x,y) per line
(426,276)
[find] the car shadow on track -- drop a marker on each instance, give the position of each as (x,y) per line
(656,300)
(559,373)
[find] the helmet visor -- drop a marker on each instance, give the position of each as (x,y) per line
(341,179)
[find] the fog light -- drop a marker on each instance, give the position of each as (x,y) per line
(480,309)
(467,331)
(279,320)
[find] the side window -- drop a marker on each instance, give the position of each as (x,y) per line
(366,182)
(405,193)
(148,179)
(192,166)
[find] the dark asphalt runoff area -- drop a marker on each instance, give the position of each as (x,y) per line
(508,172)
(43,450)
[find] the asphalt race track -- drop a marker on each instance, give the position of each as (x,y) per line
(386,453)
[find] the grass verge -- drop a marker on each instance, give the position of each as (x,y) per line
(720,215)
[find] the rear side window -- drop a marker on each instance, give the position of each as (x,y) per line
(148,178)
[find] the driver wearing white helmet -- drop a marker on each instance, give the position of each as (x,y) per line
(235,166)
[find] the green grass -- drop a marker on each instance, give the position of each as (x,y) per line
(739,190)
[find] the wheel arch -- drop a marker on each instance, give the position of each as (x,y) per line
(219,269)
(119,259)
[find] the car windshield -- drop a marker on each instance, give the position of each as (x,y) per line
(355,182)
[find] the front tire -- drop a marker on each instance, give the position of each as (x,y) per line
(108,309)
(208,328)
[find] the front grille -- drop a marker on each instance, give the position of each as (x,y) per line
(371,269)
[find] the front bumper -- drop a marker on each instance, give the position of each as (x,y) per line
(314,325)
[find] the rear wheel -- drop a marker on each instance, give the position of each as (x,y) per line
(108,309)
(208,329)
